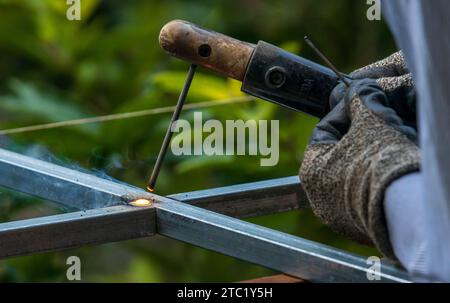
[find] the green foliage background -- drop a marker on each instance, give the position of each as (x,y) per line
(52,70)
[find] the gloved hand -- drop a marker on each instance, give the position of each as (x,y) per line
(394,78)
(355,152)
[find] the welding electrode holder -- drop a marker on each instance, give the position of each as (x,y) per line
(266,71)
(281,77)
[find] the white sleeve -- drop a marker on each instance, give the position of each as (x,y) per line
(422,31)
(404,211)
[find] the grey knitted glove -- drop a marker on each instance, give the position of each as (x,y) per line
(396,81)
(392,66)
(355,152)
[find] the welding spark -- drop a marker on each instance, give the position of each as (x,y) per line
(141,202)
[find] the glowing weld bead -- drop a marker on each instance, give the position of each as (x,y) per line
(141,202)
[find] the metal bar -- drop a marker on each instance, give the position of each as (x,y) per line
(251,199)
(249,242)
(279,251)
(65,186)
(64,231)
(71,188)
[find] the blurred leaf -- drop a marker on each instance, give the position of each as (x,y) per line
(29,101)
(203,86)
(293,46)
(142,270)
(199,162)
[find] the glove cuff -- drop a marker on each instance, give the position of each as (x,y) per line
(395,161)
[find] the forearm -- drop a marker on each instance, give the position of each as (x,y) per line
(405,209)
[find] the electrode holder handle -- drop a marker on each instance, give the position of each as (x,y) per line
(214,51)
(267,72)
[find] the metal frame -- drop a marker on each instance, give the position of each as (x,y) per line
(200,218)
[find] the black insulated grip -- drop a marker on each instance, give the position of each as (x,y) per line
(281,77)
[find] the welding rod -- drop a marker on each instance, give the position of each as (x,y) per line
(169,133)
(327,61)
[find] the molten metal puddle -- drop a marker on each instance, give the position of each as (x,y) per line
(141,202)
